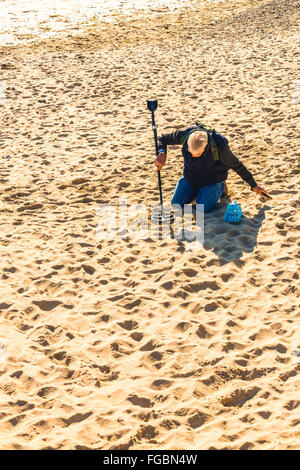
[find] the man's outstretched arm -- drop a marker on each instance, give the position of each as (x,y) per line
(231,161)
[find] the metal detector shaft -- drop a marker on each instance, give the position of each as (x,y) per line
(156,152)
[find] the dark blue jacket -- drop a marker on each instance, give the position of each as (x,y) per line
(204,170)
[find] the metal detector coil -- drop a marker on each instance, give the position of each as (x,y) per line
(162,217)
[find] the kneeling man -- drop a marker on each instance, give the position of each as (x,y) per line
(207,159)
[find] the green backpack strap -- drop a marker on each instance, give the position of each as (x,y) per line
(185,138)
(213,146)
(214,149)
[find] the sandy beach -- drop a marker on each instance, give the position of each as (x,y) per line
(148,344)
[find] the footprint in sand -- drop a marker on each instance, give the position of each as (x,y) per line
(140,401)
(136,336)
(239,397)
(182,326)
(203,333)
(197,420)
(128,325)
(160,384)
(47,305)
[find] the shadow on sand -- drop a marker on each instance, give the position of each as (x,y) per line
(227,241)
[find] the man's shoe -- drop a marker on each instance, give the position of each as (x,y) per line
(225,191)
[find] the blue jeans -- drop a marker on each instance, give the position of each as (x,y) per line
(208,195)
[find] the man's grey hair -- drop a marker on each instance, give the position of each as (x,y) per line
(197,141)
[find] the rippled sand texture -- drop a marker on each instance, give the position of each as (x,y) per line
(147,344)
(22,22)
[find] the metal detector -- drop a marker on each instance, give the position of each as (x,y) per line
(161,215)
